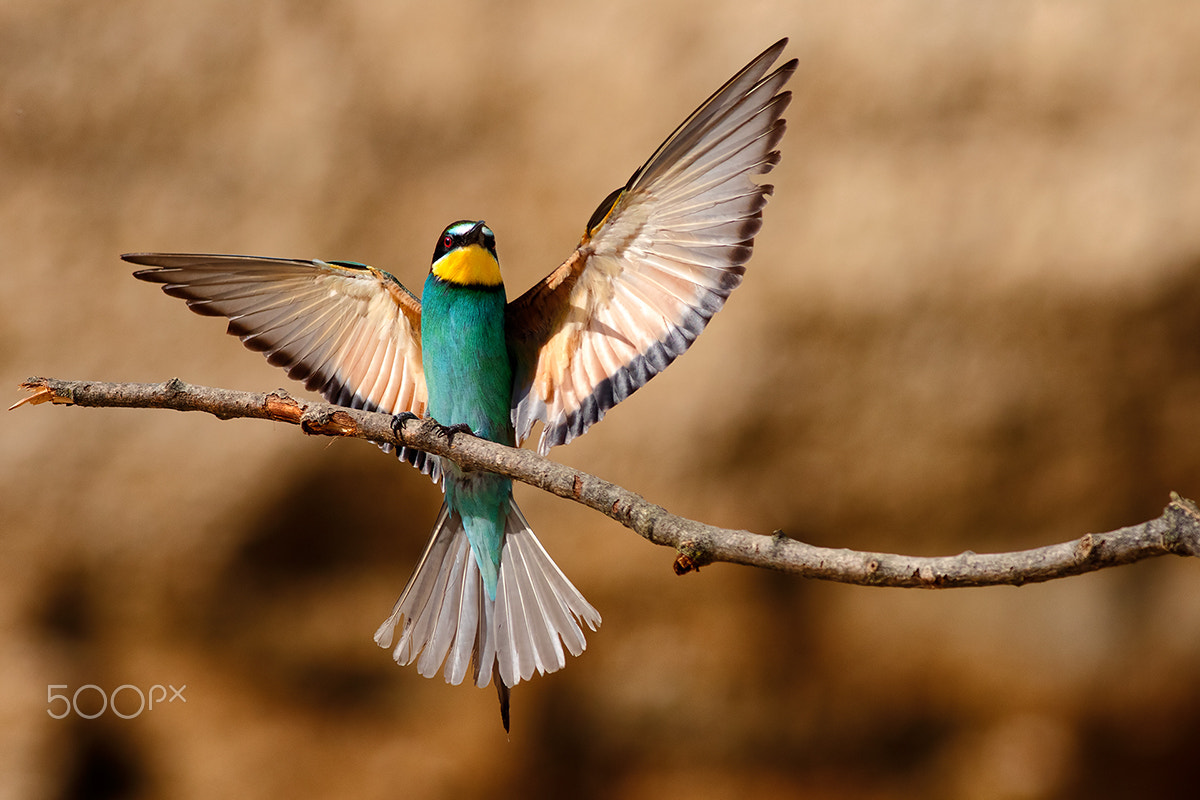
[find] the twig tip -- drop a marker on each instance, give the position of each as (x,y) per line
(39,392)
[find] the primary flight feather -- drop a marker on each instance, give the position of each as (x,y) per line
(656,260)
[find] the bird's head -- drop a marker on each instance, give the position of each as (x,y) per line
(466,255)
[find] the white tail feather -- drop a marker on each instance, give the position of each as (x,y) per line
(536,611)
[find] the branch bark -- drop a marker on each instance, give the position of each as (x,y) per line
(1175,532)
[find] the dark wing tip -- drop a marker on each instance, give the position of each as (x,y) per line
(773,51)
(151,275)
(159,260)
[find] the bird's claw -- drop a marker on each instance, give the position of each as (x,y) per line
(398,421)
(459,427)
(448,431)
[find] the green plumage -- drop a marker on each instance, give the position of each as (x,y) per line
(469,377)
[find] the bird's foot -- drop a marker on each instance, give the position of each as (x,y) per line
(459,427)
(398,421)
(449,431)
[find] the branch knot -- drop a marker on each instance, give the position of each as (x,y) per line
(1088,548)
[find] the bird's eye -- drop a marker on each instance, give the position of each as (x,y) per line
(447,241)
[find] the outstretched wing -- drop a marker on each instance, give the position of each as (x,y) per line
(658,259)
(348,331)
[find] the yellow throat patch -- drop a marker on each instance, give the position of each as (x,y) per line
(468,266)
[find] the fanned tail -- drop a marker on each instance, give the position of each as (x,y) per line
(537,609)
(448,617)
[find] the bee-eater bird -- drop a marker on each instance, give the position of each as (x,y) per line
(656,260)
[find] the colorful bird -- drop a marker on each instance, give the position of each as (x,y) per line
(657,259)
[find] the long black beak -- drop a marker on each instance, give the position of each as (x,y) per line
(475,234)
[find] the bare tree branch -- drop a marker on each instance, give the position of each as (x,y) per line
(1176,531)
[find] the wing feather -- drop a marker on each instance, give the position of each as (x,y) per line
(348,331)
(659,258)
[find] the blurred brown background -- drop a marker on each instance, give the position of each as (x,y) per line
(971,322)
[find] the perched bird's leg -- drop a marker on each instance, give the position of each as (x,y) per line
(461,427)
(448,431)
(398,421)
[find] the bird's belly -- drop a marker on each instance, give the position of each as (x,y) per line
(467,368)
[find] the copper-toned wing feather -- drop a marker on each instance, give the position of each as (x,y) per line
(348,331)
(658,259)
